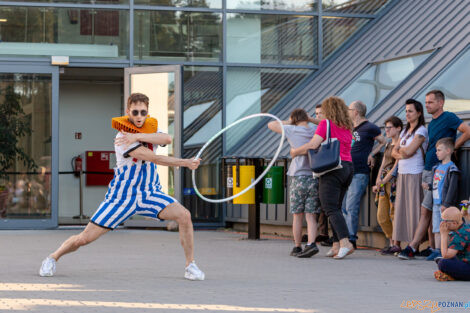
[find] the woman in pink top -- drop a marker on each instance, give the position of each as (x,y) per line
(333,185)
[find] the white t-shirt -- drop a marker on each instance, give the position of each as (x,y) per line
(298,136)
(414,164)
(122,157)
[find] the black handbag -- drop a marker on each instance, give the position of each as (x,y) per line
(326,157)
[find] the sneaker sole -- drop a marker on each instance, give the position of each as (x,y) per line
(46,274)
(195,279)
(403,257)
(309,254)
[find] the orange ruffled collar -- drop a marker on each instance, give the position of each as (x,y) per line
(122,123)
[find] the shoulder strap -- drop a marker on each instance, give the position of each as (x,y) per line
(422,152)
(328,133)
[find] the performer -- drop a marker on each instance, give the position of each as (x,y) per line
(136,189)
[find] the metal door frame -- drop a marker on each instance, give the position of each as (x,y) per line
(178,127)
(28,68)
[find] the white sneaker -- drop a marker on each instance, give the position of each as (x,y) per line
(192,272)
(47,267)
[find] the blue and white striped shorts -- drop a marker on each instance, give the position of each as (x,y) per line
(134,190)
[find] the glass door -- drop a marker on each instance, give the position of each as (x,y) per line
(29,146)
(162,84)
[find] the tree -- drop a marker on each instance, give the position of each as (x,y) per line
(13,126)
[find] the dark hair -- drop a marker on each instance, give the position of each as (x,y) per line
(419,108)
(298,115)
(447,142)
(439,95)
(137,97)
(318,106)
(395,121)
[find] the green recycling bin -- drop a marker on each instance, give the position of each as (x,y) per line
(273,185)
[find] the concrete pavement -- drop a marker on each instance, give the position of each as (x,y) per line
(142,271)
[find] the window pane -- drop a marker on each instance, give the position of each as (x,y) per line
(277,39)
(202,119)
(453,82)
(25,192)
(61,31)
(380,79)
(214,4)
(255,90)
(354,6)
(178,36)
(286,5)
(77,1)
(336,30)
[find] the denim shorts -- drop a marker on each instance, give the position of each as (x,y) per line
(427,199)
(436,218)
(303,195)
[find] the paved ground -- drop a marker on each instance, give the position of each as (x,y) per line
(142,271)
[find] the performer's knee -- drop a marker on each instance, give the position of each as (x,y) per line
(184,218)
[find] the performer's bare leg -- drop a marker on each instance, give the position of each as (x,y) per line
(90,234)
(182,216)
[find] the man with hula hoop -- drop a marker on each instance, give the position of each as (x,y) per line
(135,189)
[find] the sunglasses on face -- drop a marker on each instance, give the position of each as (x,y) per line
(388,127)
(136,112)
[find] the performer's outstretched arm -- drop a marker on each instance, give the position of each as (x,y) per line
(155,138)
(142,153)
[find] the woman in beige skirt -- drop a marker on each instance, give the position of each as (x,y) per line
(410,156)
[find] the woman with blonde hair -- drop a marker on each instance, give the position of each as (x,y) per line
(334,184)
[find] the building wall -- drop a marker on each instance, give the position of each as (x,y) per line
(85,107)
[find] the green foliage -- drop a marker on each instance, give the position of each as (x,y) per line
(13,126)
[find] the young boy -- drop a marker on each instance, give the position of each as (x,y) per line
(303,199)
(444,188)
(455,245)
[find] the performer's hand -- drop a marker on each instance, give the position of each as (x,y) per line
(192,164)
(126,139)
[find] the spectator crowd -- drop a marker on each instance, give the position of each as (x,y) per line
(416,188)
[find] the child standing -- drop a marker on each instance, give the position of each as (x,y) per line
(303,199)
(444,188)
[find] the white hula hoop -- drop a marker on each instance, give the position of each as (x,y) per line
(262,174)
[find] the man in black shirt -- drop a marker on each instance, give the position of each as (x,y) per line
(364,135)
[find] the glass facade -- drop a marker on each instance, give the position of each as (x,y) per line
(336,30)
(77,1)
(239,57)
(286,5)
(379,79)
(42,31)
(25,103)
(202,118)
(255,90)
(275,39)
(354,6)
(213,4)
(178,36)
